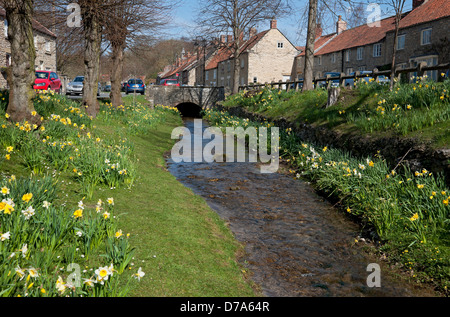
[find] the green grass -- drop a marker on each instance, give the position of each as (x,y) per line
(420,110)
(183,246)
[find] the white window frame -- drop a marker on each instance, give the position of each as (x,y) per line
(347,55)
(333,58)
(401,41)
(377,50)
(215,73)
(319,60)
(425,40)
(360,53)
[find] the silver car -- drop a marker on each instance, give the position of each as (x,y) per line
(75,87)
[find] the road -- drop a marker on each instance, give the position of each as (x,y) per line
(103,95)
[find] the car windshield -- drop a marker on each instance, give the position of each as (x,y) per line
(174,82)
(135,81)
(41,75)
(78,79)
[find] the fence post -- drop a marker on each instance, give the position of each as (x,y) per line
(420,67)
(375,74)
(341,80)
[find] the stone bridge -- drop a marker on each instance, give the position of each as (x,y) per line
(189,100)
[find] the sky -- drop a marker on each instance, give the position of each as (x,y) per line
(185,13)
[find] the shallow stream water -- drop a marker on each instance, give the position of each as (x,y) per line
(296,243)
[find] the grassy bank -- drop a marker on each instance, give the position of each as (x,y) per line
(92,197)
(407,211)
(420,110)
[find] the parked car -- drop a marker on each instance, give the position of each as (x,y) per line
(381,79)
(169,82)
(124,86)
(135,85)
(107,88)
(75,87)
(334,82)
(47,80)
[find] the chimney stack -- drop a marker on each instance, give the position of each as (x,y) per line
(341,25)
(318,31)
(273,23)
(252,32)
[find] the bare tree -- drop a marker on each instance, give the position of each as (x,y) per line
(237,17)
(128,22)
(309,49)
(19,17)
(398,6)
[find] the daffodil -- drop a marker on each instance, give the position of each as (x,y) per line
(5,190)
(78,213)
(140,274)
(27,197)
(5,236)
(119,234)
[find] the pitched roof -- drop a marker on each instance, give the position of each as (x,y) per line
(36,25)
(430,10)
(358,36)
(362,35)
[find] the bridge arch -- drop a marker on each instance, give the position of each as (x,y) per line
(204,97)
(189,109)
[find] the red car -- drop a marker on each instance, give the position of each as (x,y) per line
(47,80)
(169,82)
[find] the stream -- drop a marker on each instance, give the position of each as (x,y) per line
(296,243)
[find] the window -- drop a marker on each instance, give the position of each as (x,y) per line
(207,76)
(360,53)
(362,68)
(425,37)
(228,66)
(347,55)
(242,63)
(319,60)
(377,50)
(333,58)
(280,44)
(401,42)
(349,71)
(47,46)
(214,73)
(8,60)
(6,27)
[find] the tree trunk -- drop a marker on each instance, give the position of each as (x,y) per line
(22,75)
(93,39)
(309,50)
(394,51)
(236,69)
(116,73)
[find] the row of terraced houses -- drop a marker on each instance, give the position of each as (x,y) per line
(268,56)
